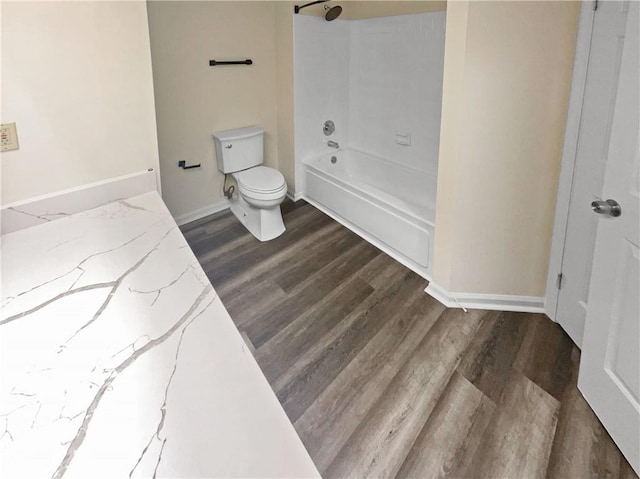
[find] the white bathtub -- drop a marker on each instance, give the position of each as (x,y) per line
(391,206)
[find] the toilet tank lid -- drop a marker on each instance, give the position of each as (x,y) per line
(238,133)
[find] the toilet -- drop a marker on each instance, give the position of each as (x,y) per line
(260,189)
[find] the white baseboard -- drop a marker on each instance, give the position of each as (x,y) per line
(216,207)
(493,302)
(53,206)
(294,196)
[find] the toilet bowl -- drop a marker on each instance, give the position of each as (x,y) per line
(261,189)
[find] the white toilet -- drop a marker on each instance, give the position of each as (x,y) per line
(261,189)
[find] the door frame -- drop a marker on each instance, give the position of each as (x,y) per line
(569,152)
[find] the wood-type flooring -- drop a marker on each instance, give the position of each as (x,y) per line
(381,380)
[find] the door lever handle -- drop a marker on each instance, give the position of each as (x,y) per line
(609,207)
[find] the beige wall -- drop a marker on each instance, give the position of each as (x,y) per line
(507,78)
(76,79)
(193,99)
(358,9)
(284,52)
(451,124)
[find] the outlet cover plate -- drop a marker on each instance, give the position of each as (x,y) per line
(8,137)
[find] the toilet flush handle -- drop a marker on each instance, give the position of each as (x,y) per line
(228,146)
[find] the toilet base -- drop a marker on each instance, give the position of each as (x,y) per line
(263,223)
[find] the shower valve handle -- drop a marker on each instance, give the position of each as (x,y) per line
(328,128)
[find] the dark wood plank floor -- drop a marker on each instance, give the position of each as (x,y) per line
(380,380)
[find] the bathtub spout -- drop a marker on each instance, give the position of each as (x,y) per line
(333,144)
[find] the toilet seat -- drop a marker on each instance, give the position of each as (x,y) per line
(261,182)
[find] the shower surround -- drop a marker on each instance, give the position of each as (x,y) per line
(380,81)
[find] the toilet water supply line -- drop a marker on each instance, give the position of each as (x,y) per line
(228,192)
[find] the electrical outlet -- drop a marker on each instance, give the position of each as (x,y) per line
(9,137)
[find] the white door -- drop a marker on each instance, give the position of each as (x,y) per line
(610,365)
(609,23)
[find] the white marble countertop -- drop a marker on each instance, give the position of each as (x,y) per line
(117,359)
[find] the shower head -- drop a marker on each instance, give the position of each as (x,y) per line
(332,13)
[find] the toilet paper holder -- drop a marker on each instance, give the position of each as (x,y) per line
(183,164)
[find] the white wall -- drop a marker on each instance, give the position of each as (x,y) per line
(321,85)
(395,84)
(76,79)
(372,77)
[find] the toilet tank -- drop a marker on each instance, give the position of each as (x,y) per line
(239,149)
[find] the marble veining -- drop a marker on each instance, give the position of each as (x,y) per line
(119,360)
(51,207)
